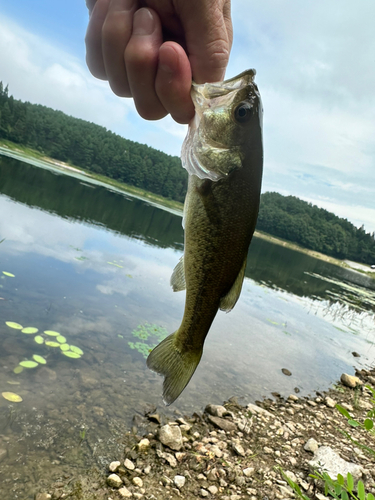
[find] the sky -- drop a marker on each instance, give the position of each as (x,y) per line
(315,64)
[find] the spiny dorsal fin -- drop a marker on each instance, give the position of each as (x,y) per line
(178,276)
(177,367)
(229,300)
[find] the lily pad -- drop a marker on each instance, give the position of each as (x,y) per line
(29,329)
(16,326)
(71,354)
(51,333)
(61,339)
(39,359)
(9,274)
(11,396)
(39,339)
(77,350)
(64,347)
(50,343)
(18,369)
(28,364)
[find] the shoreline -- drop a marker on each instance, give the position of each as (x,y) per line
(236,452)
(24,154)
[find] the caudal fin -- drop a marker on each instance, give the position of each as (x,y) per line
(177,367)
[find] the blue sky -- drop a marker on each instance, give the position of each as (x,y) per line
(315,65)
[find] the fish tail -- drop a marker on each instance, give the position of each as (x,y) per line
(176,366)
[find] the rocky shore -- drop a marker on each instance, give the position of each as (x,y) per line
(235,452)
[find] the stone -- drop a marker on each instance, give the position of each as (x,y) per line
(137,481)
(216,410)
(238,448)
(331,403)
(213,489)
(249,471)
(147,469)
(311,445)
(204,493)
(350,380)
(258,410)
(125,493)
(179,481)
(326,459)
(129,464)
(143,445)
(286,372)
(43,496)
(113,466)
(114,481)
(171,436)
(291,475)
(168,457)
(222,423)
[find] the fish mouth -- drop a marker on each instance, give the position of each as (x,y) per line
(220,89)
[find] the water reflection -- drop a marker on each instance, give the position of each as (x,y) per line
(93,265)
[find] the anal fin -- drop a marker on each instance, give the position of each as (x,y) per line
(229,300)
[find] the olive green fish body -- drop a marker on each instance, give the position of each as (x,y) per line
(220,214)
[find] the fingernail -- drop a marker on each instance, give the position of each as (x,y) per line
(143,22)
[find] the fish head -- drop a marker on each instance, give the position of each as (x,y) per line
(227,124)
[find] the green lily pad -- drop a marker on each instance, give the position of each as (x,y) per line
(71,354)
(61,339)
(38,339)
(28,364)
(77,350)
(18,369)
(51,333)
(29,329)
(64,347)
(11,396)
(39,359)
(9,274)
(16,326)
(50,343)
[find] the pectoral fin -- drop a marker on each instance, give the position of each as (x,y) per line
(229,300)
(178,276)
(176,366)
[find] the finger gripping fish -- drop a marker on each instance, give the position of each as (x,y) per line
(223,154)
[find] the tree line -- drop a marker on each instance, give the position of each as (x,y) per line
(101,151)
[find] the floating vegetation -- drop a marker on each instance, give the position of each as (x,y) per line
(51,333)
(114,264)
(272,322)
(39,359)
(61,339)
(39,339)
(11,396)
(16,326)
(18,369)
(71,354)
(28,364)
(29,329)
(51,343)
(76,349)
(9,274)
(64,347)
(150,336)
(13,382)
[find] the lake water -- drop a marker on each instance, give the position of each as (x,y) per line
(94,265)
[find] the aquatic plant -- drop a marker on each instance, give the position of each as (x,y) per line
(11,396)
(8,274)
(16,326)
(149,335)
(29,329)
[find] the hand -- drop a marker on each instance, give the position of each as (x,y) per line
(152,49)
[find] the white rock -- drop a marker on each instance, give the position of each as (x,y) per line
(328,460)
(143,445)
(204,493)
(113,466)
(248,471)
(213,489)
(171,436)
(238,448)
(129,464)
(147,469)
(331,403)
(311,445)
(125,493)
(114,480)
(350,380)
(179,481)
(137,481)
(168,457)
(258,410)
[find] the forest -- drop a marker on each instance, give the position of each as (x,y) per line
(99,150)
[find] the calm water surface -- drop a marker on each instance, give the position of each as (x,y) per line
(94,265)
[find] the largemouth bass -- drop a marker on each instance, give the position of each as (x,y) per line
(223,154)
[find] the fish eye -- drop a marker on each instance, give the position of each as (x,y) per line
(243,112)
